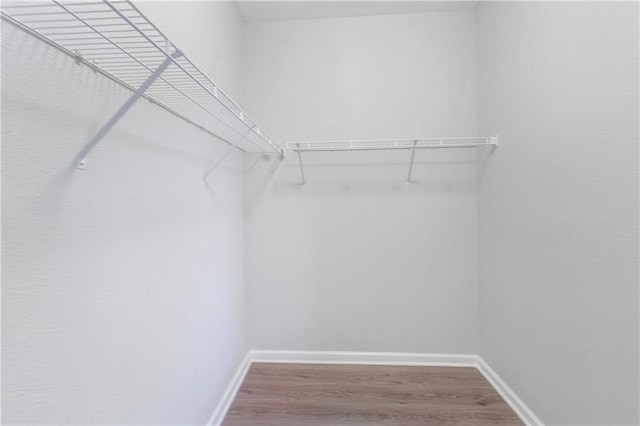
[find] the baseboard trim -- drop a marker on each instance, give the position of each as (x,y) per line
(516,404)
(230,392)
(372,358)
(365,358)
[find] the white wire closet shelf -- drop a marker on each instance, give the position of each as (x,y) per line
(411,145)
(118,41)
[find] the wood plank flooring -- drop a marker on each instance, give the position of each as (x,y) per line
(313,394)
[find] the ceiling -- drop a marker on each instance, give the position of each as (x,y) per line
(255,11)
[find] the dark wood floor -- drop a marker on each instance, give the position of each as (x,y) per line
(312,394)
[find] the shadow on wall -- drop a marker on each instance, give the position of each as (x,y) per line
(256,168)
(259,172)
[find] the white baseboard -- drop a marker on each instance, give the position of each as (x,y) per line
(230,393)
(372,358)
(365,358)
(516,404)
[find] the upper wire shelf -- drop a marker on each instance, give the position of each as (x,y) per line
(411,145)
(117,40)
(393,144)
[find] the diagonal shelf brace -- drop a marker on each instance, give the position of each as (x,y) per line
(413,156)
(81,164)
(304,182)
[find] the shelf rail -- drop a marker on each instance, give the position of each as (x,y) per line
(412,145)
(117,40)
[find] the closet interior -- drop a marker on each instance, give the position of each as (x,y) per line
(435,222)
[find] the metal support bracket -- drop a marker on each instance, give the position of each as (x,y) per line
(81,159)
(304,182)
(413,156)
(494,141)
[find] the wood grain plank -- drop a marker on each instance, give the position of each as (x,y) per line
(314,394)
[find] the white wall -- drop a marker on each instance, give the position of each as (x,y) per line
(559,206)
(122,285)
(358,260)
(123,298)
(210,33)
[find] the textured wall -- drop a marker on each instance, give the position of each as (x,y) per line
(357,259)
(559,206)
(122,285)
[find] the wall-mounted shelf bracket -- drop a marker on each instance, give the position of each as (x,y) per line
(413,157)
(494,142)
(301,166)
(81,159)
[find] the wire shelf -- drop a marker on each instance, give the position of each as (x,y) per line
(393,144)
(410,145)
(118,41)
